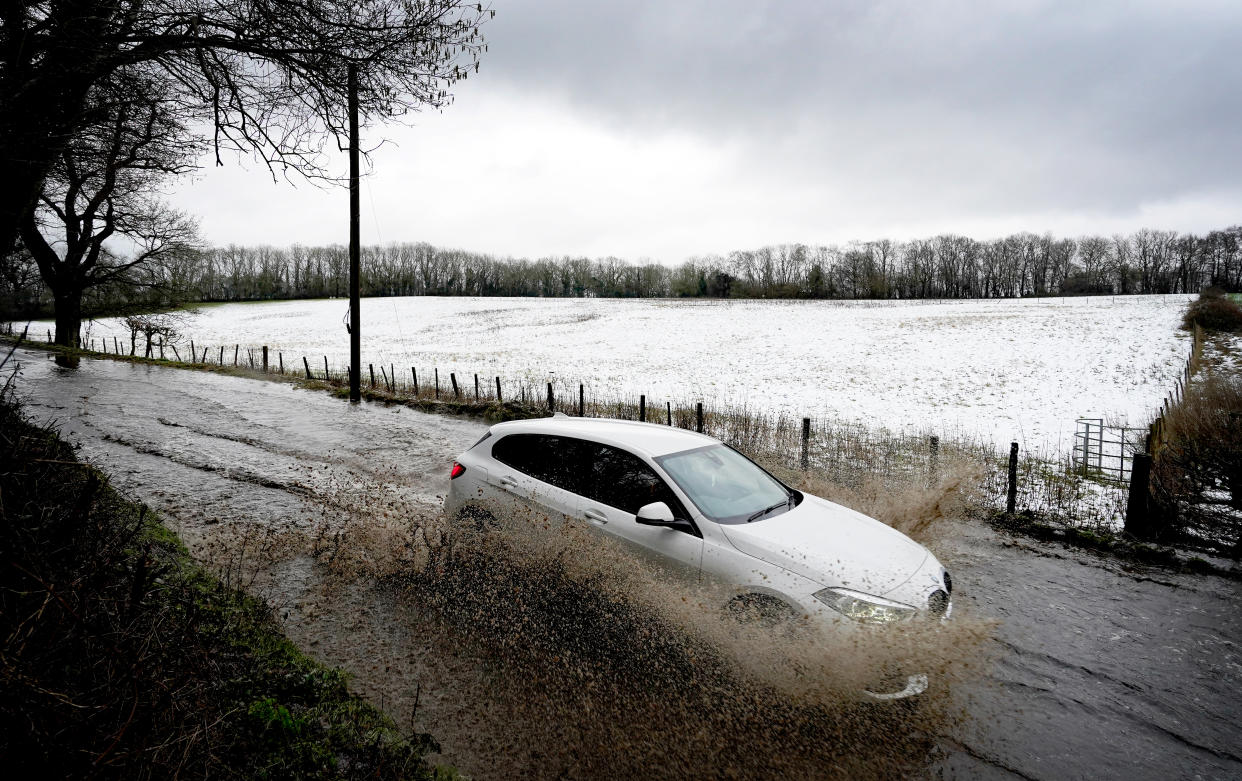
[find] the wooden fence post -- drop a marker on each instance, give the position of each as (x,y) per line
(698,417)
(805,460)
(498,389)
(193,352)
(115,345)
(476,387)
(581,400)
(453,379)
(236,349)
(437,371)
(551,401)
(668,405)
(221,355)
(1139,521)
(414,374)
(250,356)
(933,458)
(392,378)
(371,366)
(1011,497)
(280,358)
(642,408)
(327,377)
(265,359)
(174,349)
(306,364)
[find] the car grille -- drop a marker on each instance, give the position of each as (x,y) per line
(938,603)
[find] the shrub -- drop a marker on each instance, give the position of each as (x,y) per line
(120,658)
(1213,312)
(1197,474)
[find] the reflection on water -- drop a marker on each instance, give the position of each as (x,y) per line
(1059,665)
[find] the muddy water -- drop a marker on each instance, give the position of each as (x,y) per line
(1093,669)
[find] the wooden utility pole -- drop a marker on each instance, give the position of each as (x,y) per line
(355,319)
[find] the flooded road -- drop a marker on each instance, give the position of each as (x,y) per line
(1094,669)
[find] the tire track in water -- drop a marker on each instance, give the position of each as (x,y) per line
(231,472)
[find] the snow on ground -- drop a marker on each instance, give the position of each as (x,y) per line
(995,369)
(1223,353)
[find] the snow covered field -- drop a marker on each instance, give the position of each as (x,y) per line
(999,369)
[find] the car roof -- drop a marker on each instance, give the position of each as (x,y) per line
(651,439)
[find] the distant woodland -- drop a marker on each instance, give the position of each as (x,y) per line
(948,266)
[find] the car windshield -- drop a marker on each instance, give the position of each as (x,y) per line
(725,485)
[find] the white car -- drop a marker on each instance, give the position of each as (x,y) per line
(695,506)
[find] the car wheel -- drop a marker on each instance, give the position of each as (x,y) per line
(761,609)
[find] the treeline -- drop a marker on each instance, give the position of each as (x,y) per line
(946,266)
(942,267)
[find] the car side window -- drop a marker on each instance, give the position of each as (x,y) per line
(555,460)
(622,480)
(518,451)
(564,464)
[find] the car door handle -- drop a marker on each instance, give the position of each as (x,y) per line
(595,516)
(507,482)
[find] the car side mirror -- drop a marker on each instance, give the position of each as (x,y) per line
(655,514)
(658,514)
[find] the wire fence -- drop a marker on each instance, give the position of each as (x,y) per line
(1085,489)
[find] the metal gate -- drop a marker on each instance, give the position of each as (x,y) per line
(1106,452)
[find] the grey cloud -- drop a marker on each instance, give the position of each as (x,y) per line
(1008,106)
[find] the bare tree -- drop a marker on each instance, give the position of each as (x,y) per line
(268,76)
(100,195)
(165,327)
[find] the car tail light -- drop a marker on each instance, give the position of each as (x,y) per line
(458,471)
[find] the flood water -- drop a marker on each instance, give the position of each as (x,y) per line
(1089,668)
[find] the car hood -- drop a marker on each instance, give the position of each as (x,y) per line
(832,545)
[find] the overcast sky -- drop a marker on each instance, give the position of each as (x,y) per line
(662,130)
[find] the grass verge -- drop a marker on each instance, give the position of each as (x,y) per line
(121,658)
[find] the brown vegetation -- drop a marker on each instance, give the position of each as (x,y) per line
(1213,311)
(1197,474)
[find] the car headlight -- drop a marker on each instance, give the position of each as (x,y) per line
(865,608)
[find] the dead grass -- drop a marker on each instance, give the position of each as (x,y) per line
(1197,474)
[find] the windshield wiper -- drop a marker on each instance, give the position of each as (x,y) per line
(767,510)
